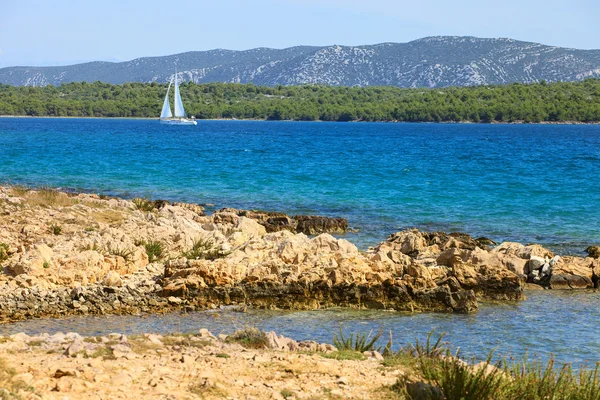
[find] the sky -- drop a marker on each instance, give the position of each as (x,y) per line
(62,32)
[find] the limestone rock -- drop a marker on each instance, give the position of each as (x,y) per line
(112,279)
(572,273)
(593,251)
(314,225)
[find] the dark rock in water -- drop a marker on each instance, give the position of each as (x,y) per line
(593,251)
(320,294)
(313,225)
(450,240)
(443,299)
(464,240)
(564,281)
(277,221)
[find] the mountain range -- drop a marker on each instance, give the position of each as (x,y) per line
(429,62)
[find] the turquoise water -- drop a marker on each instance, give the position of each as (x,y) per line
(559,324)
(528,183)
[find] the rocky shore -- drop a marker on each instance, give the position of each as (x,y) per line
(245,365)
(65,254)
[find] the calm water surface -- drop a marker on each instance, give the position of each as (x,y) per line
(559,324)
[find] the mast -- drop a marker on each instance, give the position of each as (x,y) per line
(179,110)
(166,108)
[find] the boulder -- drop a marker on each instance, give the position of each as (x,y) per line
(35,261)
(593,251)
(314,225)
(515,264)
(572,273)
(508,248)
(534,250)
(112,279)
(409,242)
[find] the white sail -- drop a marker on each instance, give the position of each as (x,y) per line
(179,111)
(166,110)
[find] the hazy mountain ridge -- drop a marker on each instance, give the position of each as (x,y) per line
(428,62)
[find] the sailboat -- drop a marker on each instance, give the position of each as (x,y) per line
(166,117)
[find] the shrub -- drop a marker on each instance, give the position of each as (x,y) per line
(204,249)
(126,254)
(56,229)
(451,378)
(251,338)
(356,342)
(143,204)
(154,250)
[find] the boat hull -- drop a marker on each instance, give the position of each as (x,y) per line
(182,121)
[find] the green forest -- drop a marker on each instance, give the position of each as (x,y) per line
(562,101)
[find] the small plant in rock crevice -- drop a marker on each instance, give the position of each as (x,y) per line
(126,254)
(143,204)
(3,252)
(154,250)
(251,338)
(204,249)
(56,229)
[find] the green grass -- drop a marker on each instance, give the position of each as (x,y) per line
(204,249)
(126,254)
(448,376)
(88,247)
(251,338)
(105,352)
(357,342)
(143,204)
(3,252)
(154,250)
(56,229)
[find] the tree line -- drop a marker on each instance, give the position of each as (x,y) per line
(561,101)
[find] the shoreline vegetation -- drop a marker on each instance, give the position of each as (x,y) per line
(251,362)
(560,102)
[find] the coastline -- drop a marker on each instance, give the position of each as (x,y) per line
(321,121)
(84,254)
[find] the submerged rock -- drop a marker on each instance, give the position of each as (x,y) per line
(277,221)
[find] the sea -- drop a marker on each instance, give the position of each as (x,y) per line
(521,182)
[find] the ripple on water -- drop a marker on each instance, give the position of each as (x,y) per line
(562,324)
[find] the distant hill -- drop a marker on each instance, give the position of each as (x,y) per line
(428,62)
